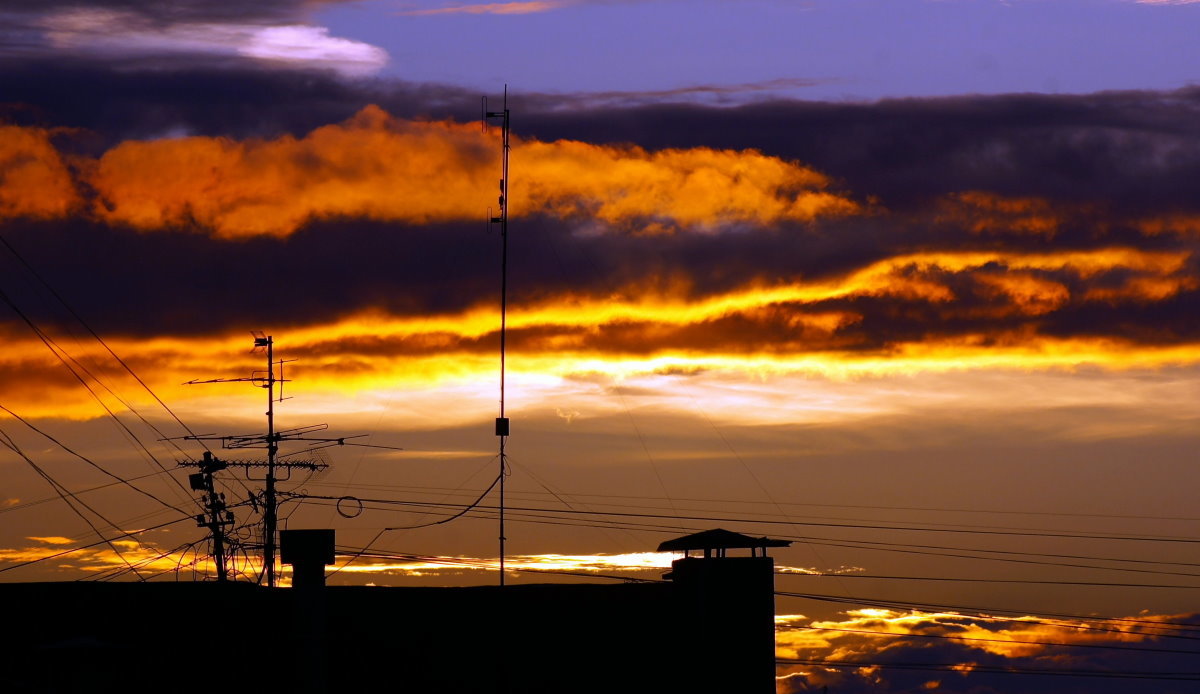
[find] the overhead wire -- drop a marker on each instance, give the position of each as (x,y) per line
(548,518)
(116,572)
(488,515)
(806,538)
(462,513)
(93,463)
(66,495)
(759,521)
(66,360)
(106,485)
(96,336)
(708,500)
(60,353)
(561,497)
(960,579)
(890,547)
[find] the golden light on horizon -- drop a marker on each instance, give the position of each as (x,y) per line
(639,333)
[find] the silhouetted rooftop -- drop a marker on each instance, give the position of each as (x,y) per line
(719,539)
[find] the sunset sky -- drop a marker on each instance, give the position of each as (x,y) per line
(911,283)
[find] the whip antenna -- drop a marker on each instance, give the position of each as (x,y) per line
(502,421)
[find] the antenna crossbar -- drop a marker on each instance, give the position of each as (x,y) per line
(309,464)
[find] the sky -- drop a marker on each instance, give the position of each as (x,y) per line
(910,283)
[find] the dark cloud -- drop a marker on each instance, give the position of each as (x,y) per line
(120,37)
(176,11)
(716,94)
(1059,174)
(1134,152)
(1091,662)
(1136,149)
(191,283)
(238,101)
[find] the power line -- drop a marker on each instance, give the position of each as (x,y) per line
(929,509)
(38,502)
(64,493)
(550,519)
(954,579)
(906,548)
(888,547)
(542,520)
(94,464)
(66,360)
(498,480)
(99,339)
(855,526)
(117,572)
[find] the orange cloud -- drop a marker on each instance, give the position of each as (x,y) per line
(1178,224)
(688,187)
(1143,289)
(382,168)
(865,633)
(145,556)
(372,166)
(820,326)
(987,213)
(1030,294)
(34,178)
(53,540)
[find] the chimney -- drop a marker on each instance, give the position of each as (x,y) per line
(726,608)
(309,552)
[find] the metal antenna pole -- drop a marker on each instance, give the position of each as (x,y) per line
(271,441)
(502,426)
(269,517)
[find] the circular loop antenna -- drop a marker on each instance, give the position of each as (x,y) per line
(349,507)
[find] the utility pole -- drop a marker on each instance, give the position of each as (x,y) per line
(273,466)
(271,505)
(270,441)
(215,517)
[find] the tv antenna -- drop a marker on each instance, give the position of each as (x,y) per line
(502,428)
(263,344)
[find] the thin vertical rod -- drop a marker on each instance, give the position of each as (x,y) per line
(503,313)
(269,517)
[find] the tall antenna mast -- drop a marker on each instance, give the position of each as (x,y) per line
(502,220)
(270,517)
